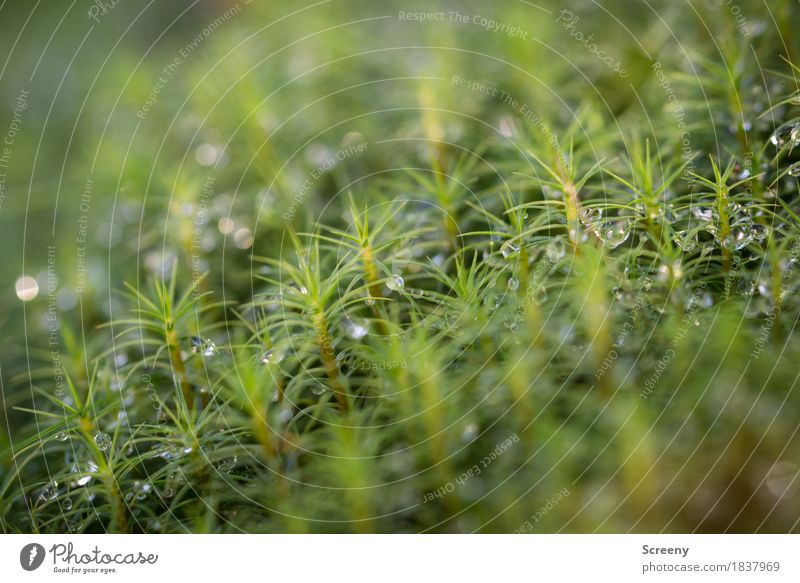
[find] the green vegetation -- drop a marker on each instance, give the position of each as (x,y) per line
(333,268)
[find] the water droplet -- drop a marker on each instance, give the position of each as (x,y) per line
(49,492)
(369,301)
(703,214)
(513,283)
(507,126)
(206,154)
(66,504)
(470,432)
(686,241)
(304,290)
(228,465)
(781,478)
(737,239)
(396,283)
(285,415)
(318,389)
(590,216)
(746,287)
(786,134)
(356,329)
(168,492)
(102,441)
(552,193)
(61,436)
(243,238)
(141,489)
(615,233)
(27,289)
(205,347)
(759,232)
(226,225)
(540,295)
(794,169)
(86,470)
(555,250)
(508,249)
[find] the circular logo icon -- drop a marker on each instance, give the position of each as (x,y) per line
(31,556)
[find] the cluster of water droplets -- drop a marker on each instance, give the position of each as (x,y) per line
(612,231)
(84,472)
(204,346)
(141,490)
(743,228)
(787,135)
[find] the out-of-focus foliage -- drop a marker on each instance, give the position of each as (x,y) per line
(331,267)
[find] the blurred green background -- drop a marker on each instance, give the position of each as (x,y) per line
(128,110)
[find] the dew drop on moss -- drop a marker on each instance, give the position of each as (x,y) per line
(205,347)
(396,283)
(469,433)
(508,249)
(703,214)
(102,441)
(271,355)
(555,250)
(687,242)
(615,233)
(786,134)
(737,239)
(49,492)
